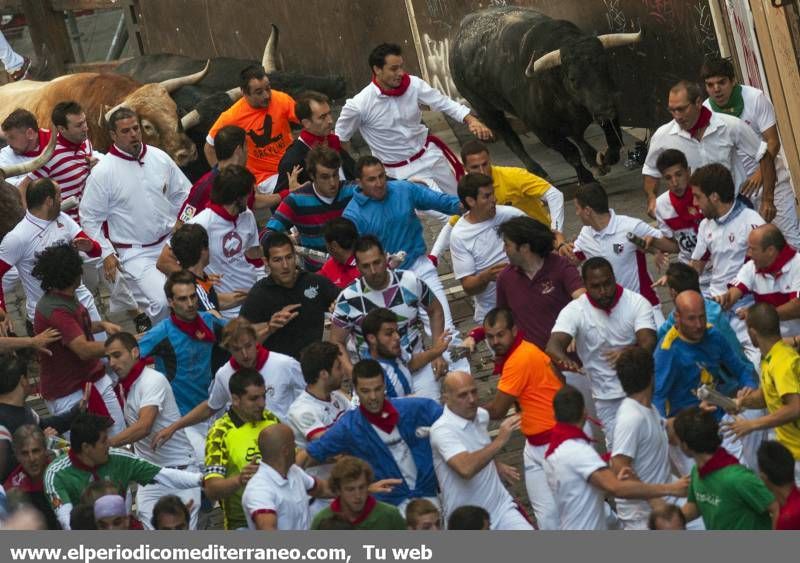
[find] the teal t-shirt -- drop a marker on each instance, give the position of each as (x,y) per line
(731,498)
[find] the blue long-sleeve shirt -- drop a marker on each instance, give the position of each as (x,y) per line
(681,367)
(354,435)
(393,219)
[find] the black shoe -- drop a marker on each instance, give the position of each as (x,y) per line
(142,323)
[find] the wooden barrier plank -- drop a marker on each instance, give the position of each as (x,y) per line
(78,5)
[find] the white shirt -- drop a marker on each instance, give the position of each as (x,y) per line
(775,289)
(477,246)
(627,260)
(640,434)
(8,157)
(726,140)
(287,498)
(282,376)
(452,435)
(139,202)
(401,454)
(568,469)
(152,389)
(723,241)
(392,125)
(227,243)
(29,237)
(308,416)
(596,332)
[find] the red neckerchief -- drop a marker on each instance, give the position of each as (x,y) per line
(124,156)
(261,358)
(720,459)
(44,140)
(134,374)
(20,480)
(500,361)
(64,142)
(222,212)
(369,506)
(617,297)
(684,207)
(405,82)
(780,261)
(562,432)
(196,329)
(312,140)
(78,464)
(386,420)
(702,121)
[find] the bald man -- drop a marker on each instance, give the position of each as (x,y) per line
(780,385)
(772,275)
(464,456)
(277,496)
(693,353)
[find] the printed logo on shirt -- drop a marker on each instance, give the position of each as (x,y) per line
(713,500)
(546,287)
(164,189)
(311,291)
(618,248)
(188,213)
(266,137)
(231,244)
(731,238)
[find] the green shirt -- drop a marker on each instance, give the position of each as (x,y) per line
(66,477)
(731,498)
(377,515)
(231,445)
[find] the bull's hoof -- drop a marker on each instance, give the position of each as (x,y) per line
(601,170)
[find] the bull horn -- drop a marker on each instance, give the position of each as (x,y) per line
(234,94)
(33,164)
(174,83)
(270,51)
(611,40)
(107,115)
(545,62)
(190,120)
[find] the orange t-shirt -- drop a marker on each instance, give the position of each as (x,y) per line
(268,133)
(528,377)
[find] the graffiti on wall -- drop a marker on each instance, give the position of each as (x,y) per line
(704,24)
(437,61)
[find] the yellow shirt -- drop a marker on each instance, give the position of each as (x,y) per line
(521,189)
(780,375)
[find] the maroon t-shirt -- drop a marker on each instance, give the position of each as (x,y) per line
(537,302)
(64,372)
(789,516)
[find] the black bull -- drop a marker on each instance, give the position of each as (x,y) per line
(209,95)
(547,73)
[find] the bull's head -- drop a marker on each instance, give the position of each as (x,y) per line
(268,61)
(158,116)
(584,69)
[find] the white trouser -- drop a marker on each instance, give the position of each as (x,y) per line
(510,519)
(425,271)
(10,283)
(147,282)
(539,493)
(105,387)
(119,294)
(432,164)
(745,449)
(642,522)
(607,414)
(197,438)
(148,495)
(425,383)
(740,328)
(12,60)
(785,210)
(268,185)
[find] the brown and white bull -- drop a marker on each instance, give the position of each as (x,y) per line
(100,92)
